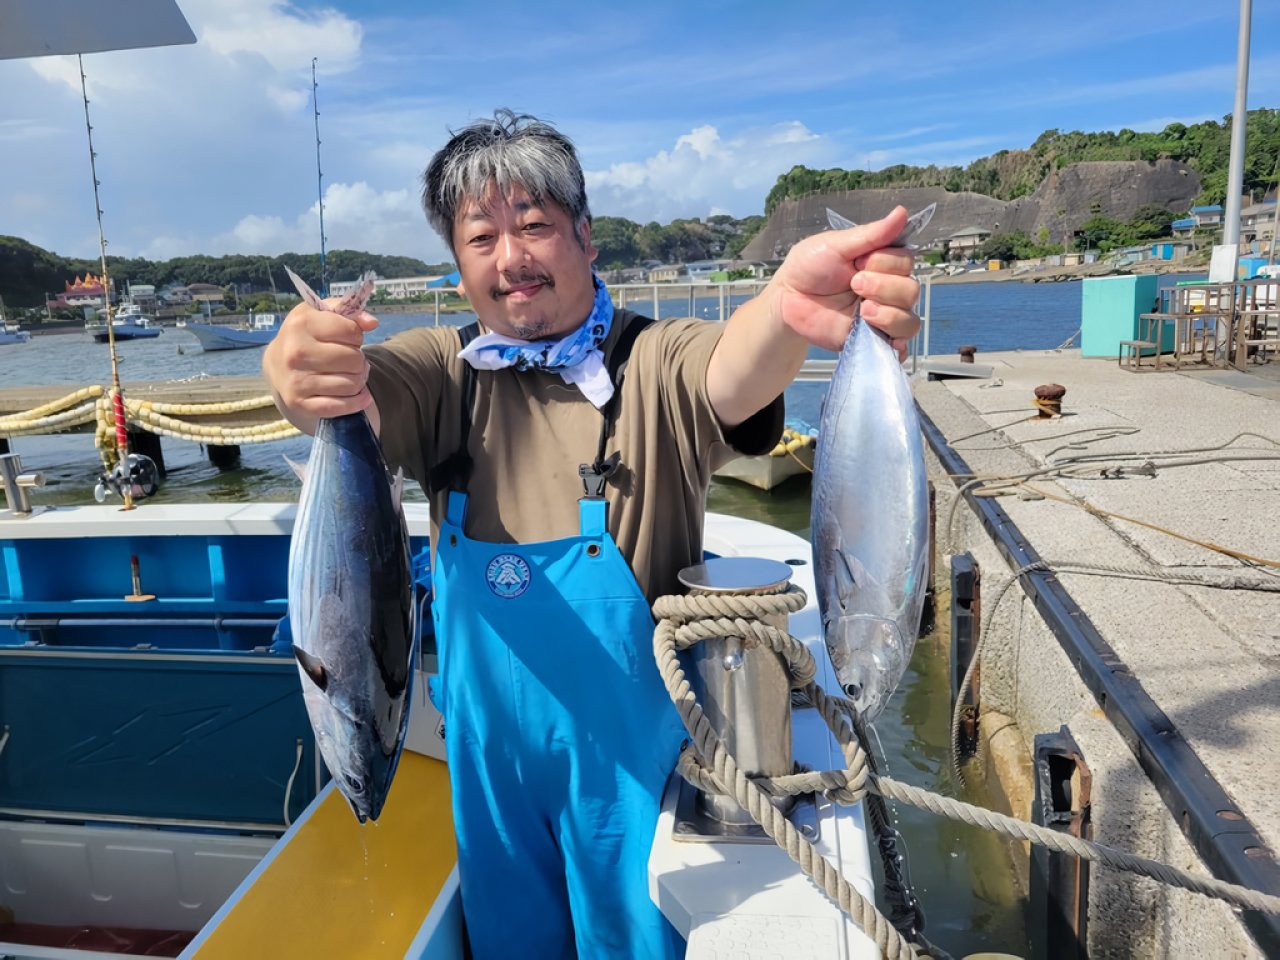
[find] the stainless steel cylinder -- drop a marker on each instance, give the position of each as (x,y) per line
(744,691)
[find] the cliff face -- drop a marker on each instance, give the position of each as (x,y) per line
(1061,204)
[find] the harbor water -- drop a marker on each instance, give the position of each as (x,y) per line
(961,874)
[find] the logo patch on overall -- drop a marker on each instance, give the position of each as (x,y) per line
(507,575)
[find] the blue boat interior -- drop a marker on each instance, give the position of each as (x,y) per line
(184,709)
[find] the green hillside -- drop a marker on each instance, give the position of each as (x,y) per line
(1009,174)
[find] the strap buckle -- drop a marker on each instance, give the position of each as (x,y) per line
(595,475)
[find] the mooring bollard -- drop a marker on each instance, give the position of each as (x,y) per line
(745,691)
(1049,399)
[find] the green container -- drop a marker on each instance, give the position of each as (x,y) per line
(1109,312)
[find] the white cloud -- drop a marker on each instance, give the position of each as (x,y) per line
(705,171)
(286,37)
(356,217)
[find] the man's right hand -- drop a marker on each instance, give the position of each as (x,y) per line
(315,366)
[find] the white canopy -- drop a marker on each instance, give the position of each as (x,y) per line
(42,28)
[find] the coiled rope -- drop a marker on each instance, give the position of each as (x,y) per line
(95,404)
(73,410)
(708,765)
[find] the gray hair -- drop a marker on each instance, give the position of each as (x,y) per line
(509,149)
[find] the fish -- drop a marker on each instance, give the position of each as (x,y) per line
(351,599)
(870,512)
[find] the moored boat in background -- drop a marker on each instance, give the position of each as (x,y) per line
(258,332)
(10,333)
(127,323)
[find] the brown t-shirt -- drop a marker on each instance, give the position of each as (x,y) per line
(531,430)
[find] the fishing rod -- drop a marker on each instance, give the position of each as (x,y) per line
(315,102)
(130,469)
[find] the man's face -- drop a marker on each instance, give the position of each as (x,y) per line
(525,272)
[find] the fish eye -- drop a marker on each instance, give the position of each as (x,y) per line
(853,690)
(355,784)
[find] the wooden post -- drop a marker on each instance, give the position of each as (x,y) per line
(224,456)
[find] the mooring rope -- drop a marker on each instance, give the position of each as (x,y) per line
(95,404)
(708,765)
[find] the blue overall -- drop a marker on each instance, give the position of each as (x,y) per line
(560,738)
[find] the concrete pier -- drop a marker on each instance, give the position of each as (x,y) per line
(1206,659)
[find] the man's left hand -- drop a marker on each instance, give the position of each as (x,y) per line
(827,276)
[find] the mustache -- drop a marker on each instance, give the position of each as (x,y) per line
(508,283)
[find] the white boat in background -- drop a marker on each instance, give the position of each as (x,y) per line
(127,323)
(11,333)
(258,332)
(791,457)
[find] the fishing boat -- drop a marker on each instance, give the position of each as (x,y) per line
(258,331)
(161,793)
(11,333)
(791,457)
(128,323)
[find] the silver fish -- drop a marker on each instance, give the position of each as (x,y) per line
(351,605)
(870,512)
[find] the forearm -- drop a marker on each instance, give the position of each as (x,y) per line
(756,359)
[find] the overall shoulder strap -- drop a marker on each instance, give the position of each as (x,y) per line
(595,474)
(454,470)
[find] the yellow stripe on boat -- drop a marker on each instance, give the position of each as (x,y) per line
(332,888)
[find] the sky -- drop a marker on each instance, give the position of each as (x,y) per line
(678,109)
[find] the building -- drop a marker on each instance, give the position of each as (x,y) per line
(668,273)
(966,241)
(401,288)
(1258,221)
(83,292)
(1206,216)
(143,294)
(701,271)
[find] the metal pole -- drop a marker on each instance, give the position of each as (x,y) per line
(1239,120)
(928,312)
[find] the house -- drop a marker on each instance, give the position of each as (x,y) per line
(143,294)
(625,275)
(1208,216)
(1184,227)
(701,271)
(1258,221)
(965,241)
(83,292)
(209,295)
(667,273)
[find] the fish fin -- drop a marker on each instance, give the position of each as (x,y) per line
(298,468)
(838,222)
(313,667)
(915,223)
(849,574)
(304,291)
(397,487)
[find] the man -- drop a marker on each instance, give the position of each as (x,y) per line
(567,453)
